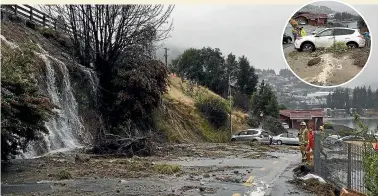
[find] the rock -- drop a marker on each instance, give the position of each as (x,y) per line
(236,172)
(202,183)
(202,189)
(314,61)
(118,191)
(206,176)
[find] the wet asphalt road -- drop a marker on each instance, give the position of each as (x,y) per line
(269,178)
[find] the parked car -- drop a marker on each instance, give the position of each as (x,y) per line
(286,39)
(327,37)
(351,138)
(285,125)
(259,135)
(286,138)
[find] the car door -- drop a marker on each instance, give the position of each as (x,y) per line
(343,35)
(284,138)
(241,136)
(252,134)
(324,39)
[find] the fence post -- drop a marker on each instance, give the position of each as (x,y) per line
(31,15)
(15,10)
(317,164)
(349,175)
(44,20)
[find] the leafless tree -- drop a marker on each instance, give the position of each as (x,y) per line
(101,33)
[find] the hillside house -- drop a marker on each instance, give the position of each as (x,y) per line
(313,118)
(311,19)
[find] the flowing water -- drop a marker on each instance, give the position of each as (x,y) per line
(65,128)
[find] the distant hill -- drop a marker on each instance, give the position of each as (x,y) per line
(317,9)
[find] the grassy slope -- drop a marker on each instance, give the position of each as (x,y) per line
(182,122)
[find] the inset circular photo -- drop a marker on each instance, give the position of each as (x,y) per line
(326,43)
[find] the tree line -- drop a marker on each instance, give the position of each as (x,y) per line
(359,98)
(344,16)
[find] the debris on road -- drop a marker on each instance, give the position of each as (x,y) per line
(312,176)
(329,66)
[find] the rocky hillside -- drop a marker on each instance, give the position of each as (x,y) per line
(73,89)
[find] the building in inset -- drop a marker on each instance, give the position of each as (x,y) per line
(313,118)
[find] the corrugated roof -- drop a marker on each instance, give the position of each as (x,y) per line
(302,114)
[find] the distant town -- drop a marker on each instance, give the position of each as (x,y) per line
(295,94)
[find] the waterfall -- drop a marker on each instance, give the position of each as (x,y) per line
(65,128)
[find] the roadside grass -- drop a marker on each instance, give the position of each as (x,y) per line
(64,175)
(167,169)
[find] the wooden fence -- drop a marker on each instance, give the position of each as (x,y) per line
(34,15)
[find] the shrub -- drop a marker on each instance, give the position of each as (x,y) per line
(273,125)
(64,174)
(167,168)
(253,121)
(214,110)
(328,125)
(339,48)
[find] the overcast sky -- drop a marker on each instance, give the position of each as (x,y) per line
(252,30)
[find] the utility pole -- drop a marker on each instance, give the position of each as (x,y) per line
(230,97)
(166,56)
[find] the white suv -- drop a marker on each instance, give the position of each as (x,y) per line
(327,37)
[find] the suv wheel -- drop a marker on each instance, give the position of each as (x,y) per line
(307,47)
(233,139)
(352,45)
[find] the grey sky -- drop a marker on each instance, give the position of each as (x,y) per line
(251,30)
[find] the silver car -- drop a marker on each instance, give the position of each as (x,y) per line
(286,138)
(252,135)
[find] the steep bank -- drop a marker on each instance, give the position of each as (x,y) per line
(73,88)
(70,86)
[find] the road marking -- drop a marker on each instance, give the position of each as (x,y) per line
(250,181)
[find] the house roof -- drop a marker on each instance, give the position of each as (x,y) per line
(302,114)
(312,16)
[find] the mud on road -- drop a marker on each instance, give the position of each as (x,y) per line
(180,169)
(332,69)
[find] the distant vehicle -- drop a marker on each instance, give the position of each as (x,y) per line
(351,138)
(285,126)
(334,137)
(327,37)
(286,39)
(286,138)
(259,135)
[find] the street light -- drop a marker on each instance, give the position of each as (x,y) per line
(229,96)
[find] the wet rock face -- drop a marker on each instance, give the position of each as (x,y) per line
(314,61)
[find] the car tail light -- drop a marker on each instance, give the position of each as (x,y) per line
(361,36)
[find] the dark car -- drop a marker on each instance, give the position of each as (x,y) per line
(286,39)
